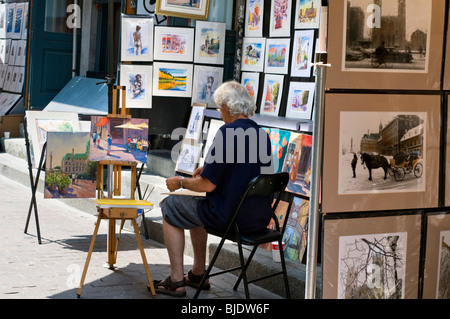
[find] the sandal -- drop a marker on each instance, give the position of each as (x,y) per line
(193,280)
(169,287)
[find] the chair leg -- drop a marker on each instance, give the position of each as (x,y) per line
(243,270)
(283,266)
(208,271)
(246,267)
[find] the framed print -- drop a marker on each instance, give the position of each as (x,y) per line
(39,123)
(394,140)
(300,100)
(307,14)
(194,127)
(172,79)
(137,80)
(277,56)
(189,9)
(206,80)
(137,38)
(189,157)
(395,45)
(272,94)
(372,257)
(280,18)
(214,126)
(253,51)
(209,42)
(118,139)
(437,257)
(10,12)
(251,82)
(12,52)
(20,79)
(173,44)
(302,53)
(68,171)
(254,13)
(447,154)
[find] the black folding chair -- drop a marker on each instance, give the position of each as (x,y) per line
(263,185)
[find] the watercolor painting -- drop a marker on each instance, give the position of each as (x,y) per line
(273,90)
(69,173)
(170,79)
(137,39)
(253,52)
(118,139)
(302,55)
(280,18)
(254,18)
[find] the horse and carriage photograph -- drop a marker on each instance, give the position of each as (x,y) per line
(381,152)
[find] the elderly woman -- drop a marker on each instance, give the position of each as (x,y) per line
(240,151)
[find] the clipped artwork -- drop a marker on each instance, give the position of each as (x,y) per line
(298,164)
(300,100)
(279,140)
(302,53)
(307,14)
(253,52)
(209,42)
(280,18)
(277,56)
(296,233)
(118,139)
(69,173)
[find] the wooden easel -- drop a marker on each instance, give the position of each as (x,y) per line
(113,209)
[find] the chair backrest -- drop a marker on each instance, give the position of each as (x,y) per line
(263,185)
(266,185)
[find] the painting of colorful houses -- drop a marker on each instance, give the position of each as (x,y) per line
(69,173)
(118,139)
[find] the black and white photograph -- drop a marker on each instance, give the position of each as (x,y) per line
(388,35)
(372,266)
(443,280)
(382,152)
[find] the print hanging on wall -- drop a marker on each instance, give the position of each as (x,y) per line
(172,79)
(300,100)
(372,258)
(400,49)
(272,94)
(436,281)
(251,82)
(277,56)
(189,9)
(280,18)
(137,80)
(396,137)
(302,53)
(307,14)
(209,42)
(137,38)
(173,44)
(206,80)
(253,52)
(254,18)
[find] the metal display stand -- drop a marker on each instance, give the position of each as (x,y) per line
(33,182)
(316,173)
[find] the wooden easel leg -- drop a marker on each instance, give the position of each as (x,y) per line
(111,243)
(91,248)
(122,223)
(144,259)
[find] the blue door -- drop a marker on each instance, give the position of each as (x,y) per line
(51,45)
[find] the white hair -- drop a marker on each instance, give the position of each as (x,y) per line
(236,97)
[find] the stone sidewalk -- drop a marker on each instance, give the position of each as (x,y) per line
(52,269)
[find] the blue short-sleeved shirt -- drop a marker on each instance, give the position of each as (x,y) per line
(241,151)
